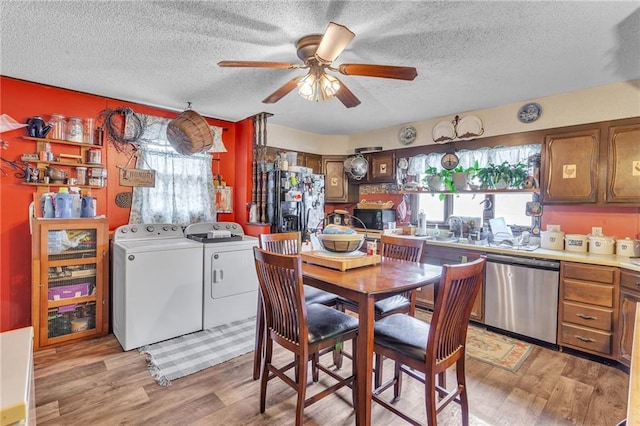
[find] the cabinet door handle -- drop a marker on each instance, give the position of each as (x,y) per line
(587,317)
(585,339)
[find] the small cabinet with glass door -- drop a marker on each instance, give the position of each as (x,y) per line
(69,276)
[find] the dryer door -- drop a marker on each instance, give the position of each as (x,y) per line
(230,272)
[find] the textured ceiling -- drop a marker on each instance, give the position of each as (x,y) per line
(469,55)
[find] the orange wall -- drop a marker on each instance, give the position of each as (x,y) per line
(617,222)
(21,100)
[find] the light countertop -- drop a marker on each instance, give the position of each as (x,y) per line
(540,253)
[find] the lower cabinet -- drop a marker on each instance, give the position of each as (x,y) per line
(629,298)
(435,255)
(586,313)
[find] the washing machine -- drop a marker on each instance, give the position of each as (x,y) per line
(157,284)
(230,282)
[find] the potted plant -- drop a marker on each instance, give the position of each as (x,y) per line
(433,179)
(472,176)
(518,175)
(488,176)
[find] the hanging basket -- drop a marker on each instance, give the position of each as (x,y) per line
(189,133)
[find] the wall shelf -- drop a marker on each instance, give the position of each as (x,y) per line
(479,191)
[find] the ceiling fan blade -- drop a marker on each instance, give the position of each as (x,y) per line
(257,64)
(346,96)
(383,71)
(333,42)
(282,91)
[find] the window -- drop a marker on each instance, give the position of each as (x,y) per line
(183,192)
(512,207)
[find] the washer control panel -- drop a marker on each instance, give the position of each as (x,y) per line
(148,231)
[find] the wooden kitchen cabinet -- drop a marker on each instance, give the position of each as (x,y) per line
(69,290)
(436,255)
(570,167)
(337,188)
(587,308)
(623,166)
(312,161)
(382,167)
(629,298)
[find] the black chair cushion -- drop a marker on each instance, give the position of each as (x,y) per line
(404,334)
(391,304)
(315,295)
(325,323)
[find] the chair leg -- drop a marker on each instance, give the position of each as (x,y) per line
(259,343)
(462,387)
(397,386)
(315,359)
(430,399)
(265,374)
(377,372)
(354,369)
(301,380)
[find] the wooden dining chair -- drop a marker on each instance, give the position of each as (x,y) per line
(424,351)
(304,329)
(286,243)
(409,249)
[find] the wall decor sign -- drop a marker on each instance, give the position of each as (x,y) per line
(137,177)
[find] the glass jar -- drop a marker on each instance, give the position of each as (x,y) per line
(74,130)
(58,127)
(88,130)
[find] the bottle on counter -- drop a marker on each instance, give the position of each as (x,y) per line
(436,231)
(88,208)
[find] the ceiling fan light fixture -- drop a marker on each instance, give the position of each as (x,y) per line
(307,86)
(333,42)
(329,86)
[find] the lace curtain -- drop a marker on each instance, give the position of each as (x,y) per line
(184,191)
(484,156)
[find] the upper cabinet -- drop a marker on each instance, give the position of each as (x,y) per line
(337,189)
(382,168)
(570,167)
(623,165)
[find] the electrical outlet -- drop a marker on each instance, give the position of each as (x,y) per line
(597,231)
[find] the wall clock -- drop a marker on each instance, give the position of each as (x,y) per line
(449,161)
(407,135)
(529,113)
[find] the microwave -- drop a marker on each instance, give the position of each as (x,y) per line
(373,218)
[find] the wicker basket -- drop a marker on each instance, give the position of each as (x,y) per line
(341,243)
(189,133)
(364,204)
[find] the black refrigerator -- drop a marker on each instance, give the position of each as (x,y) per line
(295,201)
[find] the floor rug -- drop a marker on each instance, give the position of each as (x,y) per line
(496,349)
(188,354)
(492,348)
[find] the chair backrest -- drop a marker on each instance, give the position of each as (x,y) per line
(283,242)
(455,296)
(280,278)
(401,248)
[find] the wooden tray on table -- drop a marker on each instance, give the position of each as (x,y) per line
(338,261)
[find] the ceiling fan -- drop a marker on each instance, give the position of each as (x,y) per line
(318,51)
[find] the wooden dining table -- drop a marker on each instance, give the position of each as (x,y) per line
(366,285)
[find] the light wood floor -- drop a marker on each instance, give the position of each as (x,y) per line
(96,383)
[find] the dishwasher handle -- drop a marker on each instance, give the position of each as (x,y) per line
(553,265)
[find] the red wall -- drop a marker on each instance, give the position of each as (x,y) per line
(21,100)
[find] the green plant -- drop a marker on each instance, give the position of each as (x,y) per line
(518,175)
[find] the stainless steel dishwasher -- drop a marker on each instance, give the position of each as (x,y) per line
(521,295)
